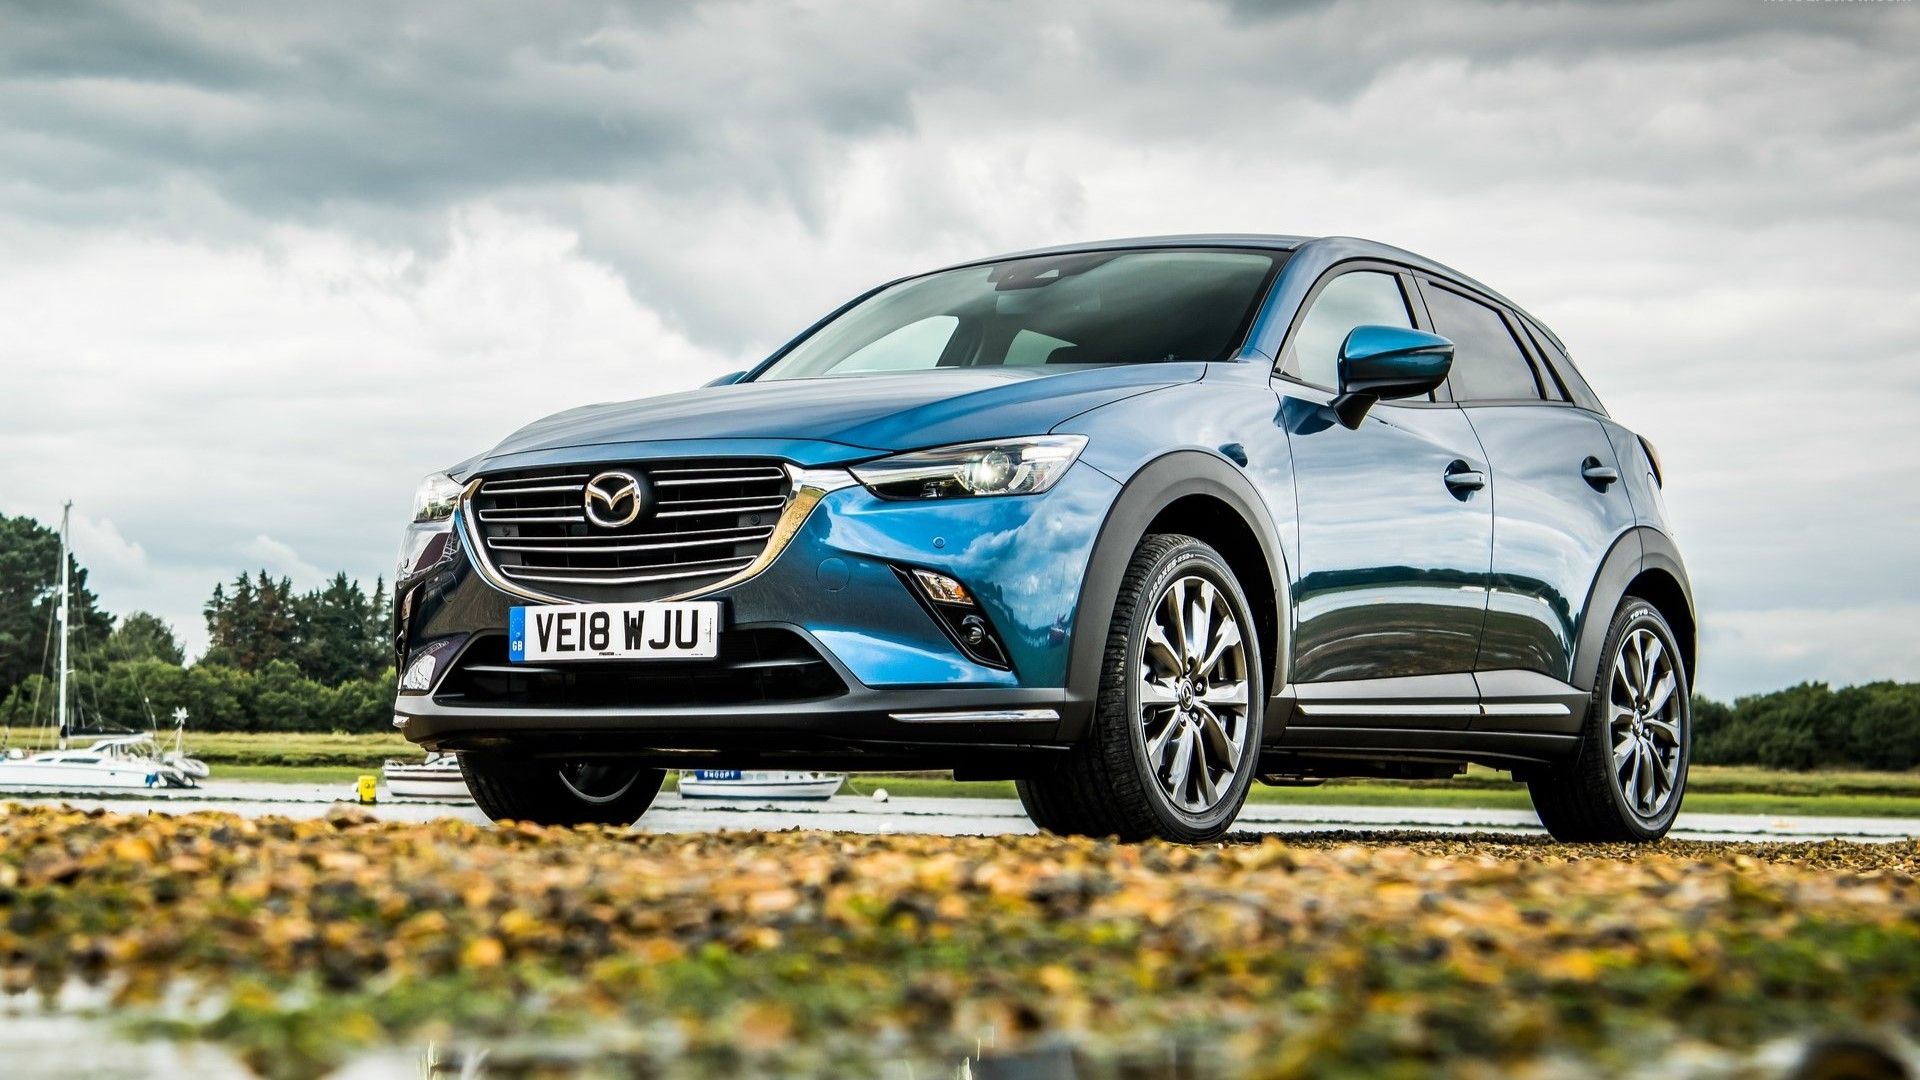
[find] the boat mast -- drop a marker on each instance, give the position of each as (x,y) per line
(65,590)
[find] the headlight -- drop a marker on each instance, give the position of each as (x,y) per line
(1002,467)
(435,498)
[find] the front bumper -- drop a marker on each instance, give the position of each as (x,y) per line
(904,694)
(864,728)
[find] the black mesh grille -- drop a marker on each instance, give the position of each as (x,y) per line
(699,522)
(754,666)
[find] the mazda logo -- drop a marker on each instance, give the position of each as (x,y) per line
(615,499)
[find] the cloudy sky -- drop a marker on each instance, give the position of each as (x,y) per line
(262,266)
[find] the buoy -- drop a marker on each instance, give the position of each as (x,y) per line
(365,789)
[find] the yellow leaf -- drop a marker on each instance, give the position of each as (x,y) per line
(483,952)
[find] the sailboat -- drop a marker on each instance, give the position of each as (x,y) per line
(114,762)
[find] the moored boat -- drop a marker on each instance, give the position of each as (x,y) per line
(438,777)
(750,785)
(121,761)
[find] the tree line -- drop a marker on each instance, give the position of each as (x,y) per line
(278,659)
(1813,726)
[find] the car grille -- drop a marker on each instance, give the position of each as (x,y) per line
(704,522)
(760,665)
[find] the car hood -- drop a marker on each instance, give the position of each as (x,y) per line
(865,414)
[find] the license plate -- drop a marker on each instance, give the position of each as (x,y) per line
(645,631)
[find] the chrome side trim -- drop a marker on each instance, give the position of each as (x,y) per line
(1510,708)
(1343,709)
(1526,708)
(809,487)
(978,716)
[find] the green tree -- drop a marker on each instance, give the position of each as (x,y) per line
(29,595)
(364,705)
(255,625)
(1810,726)
(343,631)
(144,636)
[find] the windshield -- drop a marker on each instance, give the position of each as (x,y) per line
(1106,307)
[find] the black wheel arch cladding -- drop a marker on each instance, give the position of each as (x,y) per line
(1158,485)
(1643,560)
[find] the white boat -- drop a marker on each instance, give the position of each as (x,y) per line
(438,777)
(113,762)
(190,767)
(121,761)
(748,785)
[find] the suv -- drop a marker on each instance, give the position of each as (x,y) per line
(1132,523)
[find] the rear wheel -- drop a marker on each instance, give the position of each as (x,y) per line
(560,793)
(1627,778)
(1175,738)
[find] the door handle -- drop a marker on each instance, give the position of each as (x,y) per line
(1463,479)
(1600,476)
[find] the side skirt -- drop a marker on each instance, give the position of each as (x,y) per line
(1502,719)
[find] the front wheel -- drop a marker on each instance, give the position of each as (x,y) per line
(1629,774)
(1175,738)
(559,792)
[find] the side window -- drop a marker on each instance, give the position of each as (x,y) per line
(1359,298)
(1569,375)
(913,347)
(1552,386)
(1487,362)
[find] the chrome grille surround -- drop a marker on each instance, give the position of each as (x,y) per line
(712,523)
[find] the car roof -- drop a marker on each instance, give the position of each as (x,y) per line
(1344,248)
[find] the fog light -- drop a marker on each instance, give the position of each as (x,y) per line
(958,613)
(419,674)
(425,665)
(942,589)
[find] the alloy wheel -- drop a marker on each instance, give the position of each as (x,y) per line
(597,783)
(1644,723)
(1193,694)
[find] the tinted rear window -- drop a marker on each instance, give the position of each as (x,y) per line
(1576,384)
(1488,364)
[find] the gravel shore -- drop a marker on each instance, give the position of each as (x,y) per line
(300,944)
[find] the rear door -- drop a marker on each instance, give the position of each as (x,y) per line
(1558,502)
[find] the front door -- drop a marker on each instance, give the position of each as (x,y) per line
(1396,523)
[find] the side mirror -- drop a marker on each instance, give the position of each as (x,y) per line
(1388,362)
(728,379)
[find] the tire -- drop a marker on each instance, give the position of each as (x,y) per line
(1157,696)
(559,792)
(1591,798)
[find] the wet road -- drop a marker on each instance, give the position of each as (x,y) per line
(956,817)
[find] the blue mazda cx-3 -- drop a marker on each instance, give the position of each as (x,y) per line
(1133,523)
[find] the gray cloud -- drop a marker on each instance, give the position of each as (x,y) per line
(241,244)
